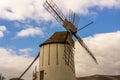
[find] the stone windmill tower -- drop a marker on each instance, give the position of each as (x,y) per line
(57,57)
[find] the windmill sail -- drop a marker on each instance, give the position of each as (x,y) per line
(29,67)
(85,26)
(85,47)
(73,18)
(52,8)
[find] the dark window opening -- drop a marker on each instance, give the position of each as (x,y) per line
(42,75)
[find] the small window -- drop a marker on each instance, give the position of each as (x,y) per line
(42,75)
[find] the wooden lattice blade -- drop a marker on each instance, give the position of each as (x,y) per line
(73,18)
(53,9)
(85,47)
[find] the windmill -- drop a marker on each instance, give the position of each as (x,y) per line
(60,45)
(69,25)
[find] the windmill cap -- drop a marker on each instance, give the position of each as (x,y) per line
(63,37)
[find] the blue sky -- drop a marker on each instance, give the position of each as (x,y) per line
(106,20)
(24,28)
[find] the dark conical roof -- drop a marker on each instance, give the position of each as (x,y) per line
(60,37)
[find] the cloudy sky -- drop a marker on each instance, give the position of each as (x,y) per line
(24,24)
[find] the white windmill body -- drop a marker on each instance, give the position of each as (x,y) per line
(57,57)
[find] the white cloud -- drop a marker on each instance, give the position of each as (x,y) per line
(106,49)
(25,52)
(33,9)
(12,65)
(83,6)
(13,10)
(30,31)
(2,30)
(1,34)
